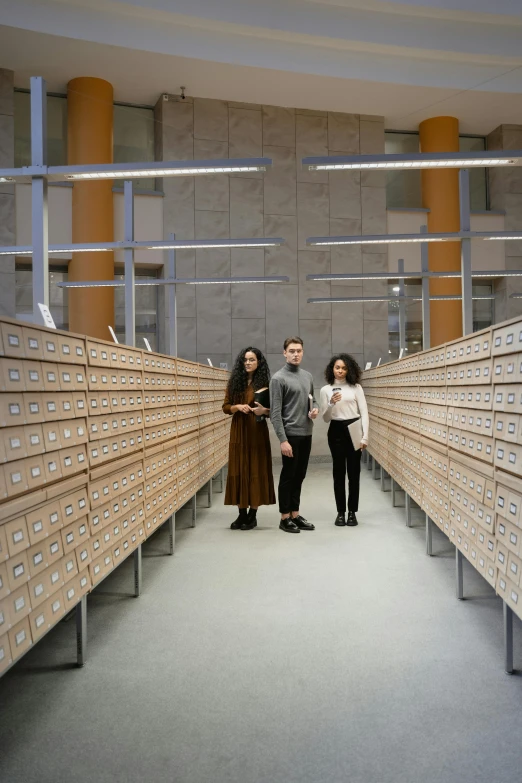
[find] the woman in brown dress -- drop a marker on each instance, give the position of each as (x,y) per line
(249,481)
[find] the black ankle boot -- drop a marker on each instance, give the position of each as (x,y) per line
(251,520)
(352,519)
(242,518)
(340,520)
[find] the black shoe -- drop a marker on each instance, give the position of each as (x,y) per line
(352,519)
(340,520)
(241,520)
(251,522)
(302,524)
(289,526)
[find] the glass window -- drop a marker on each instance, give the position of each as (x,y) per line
(58,303)
(477,177)
(146,311)
(56,129)
(403,188)
(134,138)
(483,316)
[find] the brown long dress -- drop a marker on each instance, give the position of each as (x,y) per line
(249,481)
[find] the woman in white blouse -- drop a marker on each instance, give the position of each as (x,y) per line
(342,402)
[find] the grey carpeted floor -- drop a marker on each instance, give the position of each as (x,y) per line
(339,656)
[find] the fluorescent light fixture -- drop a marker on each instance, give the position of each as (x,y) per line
(207,244)
(419,160)
(505,236)
(175,168)
(349,276)
(515,296)
(16,251)
(384,239)
(176,281)
(347,299)
(396,288)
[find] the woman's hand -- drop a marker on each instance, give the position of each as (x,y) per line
(243,408)
(259,410)
(337,397)
(364,446)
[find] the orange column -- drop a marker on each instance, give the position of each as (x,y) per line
(89,140)
(440,194)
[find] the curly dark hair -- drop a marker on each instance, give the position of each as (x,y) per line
(238,380)
(354,373)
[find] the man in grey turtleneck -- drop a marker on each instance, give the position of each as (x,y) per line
(292,410)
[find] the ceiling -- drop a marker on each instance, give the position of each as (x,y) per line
(406,61)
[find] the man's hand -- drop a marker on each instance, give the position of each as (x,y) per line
(286,449)
(313,413)
(244,408)
(259,410)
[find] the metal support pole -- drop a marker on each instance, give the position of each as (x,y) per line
(407,505)
(369,461)
(209,493)
(508,638)
(393,491)
(383,477)
(137,571)
(173,311)
(194,511)
(465,253)
(128,255)
(426,327)
(429,537)
(81,631)
(460,574)
(402,309)
(172,534)
(374,469)
(222,479)
(39,203)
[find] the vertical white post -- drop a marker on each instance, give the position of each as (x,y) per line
(128,254)
(426,330)
(465,253)
(39,207)
(402,309)
(173,314)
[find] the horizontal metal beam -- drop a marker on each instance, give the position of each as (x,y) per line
(394,298)
(164,168)
(188,244)
(177,281)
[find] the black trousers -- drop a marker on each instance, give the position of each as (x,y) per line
(293,473)
(346,460)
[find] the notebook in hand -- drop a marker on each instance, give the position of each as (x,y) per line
(356,433)
(263,398)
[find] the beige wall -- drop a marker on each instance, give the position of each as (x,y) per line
(288,202)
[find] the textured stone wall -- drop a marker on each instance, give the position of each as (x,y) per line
(287,201)
(7,197)
(505,188)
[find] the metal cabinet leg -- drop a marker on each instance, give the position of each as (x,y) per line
(508,638)
(81,631)
(375,465)
(222,479)
(172,534)
(429,537)
(393,491)
(209,491)
(460,574)
(194,511)
(407,505)
(137,571)
(383,477)
(369,462)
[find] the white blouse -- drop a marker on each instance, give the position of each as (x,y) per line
(352,405)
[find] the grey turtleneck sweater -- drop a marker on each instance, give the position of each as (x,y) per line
(289,402)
